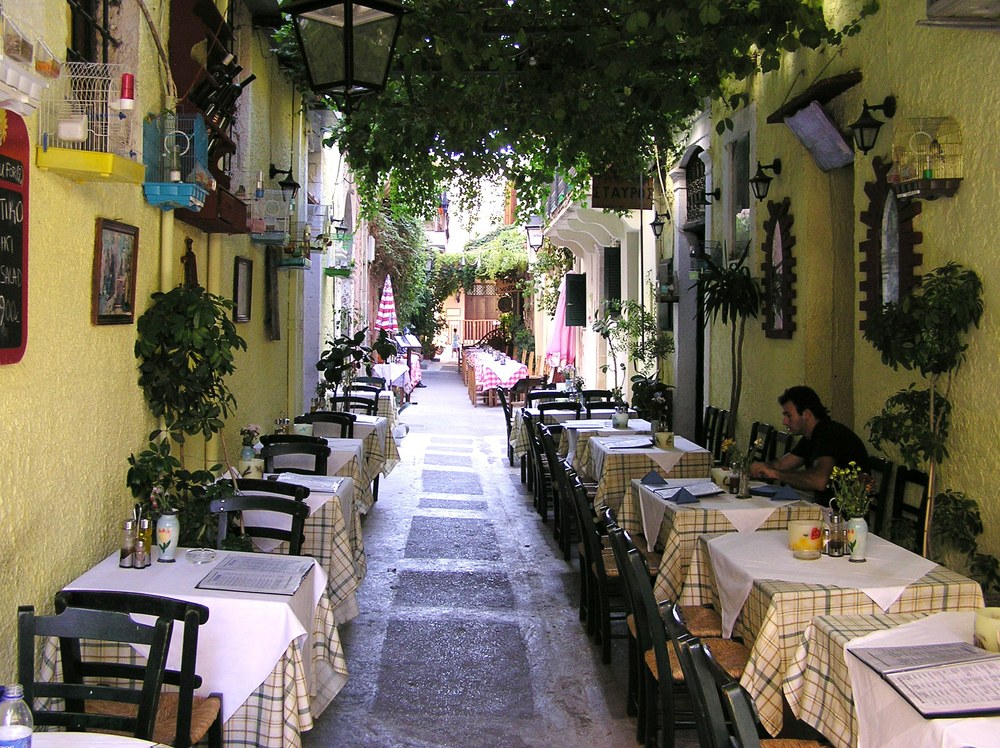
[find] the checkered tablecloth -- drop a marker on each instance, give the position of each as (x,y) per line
(519,434)
(490,373)
(278,710)
(613,469)
(575,441)
(388,408)
(777,613)
(680,529)
(820,686)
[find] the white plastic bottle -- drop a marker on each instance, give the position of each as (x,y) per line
(16,722)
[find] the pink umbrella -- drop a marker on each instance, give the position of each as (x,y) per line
(386,317)
(561,350)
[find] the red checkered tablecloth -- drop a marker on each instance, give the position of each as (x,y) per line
(490,373)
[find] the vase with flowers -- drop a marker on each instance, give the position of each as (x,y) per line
(853,492)
(249,434)
(739,467)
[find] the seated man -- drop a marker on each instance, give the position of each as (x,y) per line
(825,444)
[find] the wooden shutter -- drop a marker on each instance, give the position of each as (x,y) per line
(576,299)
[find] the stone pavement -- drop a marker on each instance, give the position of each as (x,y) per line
(468,633)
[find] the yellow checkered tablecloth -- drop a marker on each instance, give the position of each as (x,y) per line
(519,435)
(821,696)
(620,466)
(281,708)
(777,613)
(679,533)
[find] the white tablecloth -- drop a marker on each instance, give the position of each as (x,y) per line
(395,375)
(886,720)
(740,558)
(246,634)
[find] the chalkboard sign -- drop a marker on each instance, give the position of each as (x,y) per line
(13,237)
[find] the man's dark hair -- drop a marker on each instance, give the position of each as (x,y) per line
(804,398)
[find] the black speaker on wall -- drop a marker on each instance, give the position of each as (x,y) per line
(576,300)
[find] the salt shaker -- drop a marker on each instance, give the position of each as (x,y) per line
(127,557)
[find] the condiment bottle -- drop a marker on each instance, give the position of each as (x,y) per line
(835,545)
(127,556)
(146,533)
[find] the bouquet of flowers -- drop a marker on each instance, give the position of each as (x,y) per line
(853,490)
(250,434)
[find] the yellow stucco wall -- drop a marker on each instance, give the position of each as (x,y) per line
(71,409)
(933,72)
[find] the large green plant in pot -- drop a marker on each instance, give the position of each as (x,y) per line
(347,354)
(186,343)
(925,331)
(730,293)
(633,335)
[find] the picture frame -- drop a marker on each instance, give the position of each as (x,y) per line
(242,288)
(116,249)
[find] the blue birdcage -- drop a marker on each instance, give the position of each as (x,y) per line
(175,155)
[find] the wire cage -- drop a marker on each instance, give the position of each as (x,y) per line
(82,110)
(927,148)
(175,149)
(269,216)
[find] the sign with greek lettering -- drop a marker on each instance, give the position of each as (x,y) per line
(612,193)
(14,154)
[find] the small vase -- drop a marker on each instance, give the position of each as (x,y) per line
(168,531)
(619,419)
(857,538)
(744,492)
(247,453)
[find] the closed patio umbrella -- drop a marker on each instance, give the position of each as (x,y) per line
(561,350)
(386,317)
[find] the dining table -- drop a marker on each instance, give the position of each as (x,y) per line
(492,371)
(672,529)
(576,435)
(44,739)
(615,460)
(276,659)
(395,375)
(767,598)
(599,417)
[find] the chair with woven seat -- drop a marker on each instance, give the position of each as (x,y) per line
(548,438)
(129,706)
(303,458)
(600,584)
(254,496)
(354,404)
(182,718)
(909,505)
(880,469)
(539,478)
(330,423)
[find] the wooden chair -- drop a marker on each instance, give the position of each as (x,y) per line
(600,405)
(258,497)
(548,436)
(782,445)
(540,479)
(880,469)
(721,430)
(354,404)
(600,582)
(765,433)
(183,718)
(710,425)
(540,396)
(378,382)
(559,406)
(589,395)
(521,388)
(503,397)
(368,391)
(330,423)
(304,458)
(909,504)
(130,706)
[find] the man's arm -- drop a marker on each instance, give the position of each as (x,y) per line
(786,470)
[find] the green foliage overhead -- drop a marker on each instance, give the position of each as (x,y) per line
(520,90)
(502,253)
(401,252)
(551,263)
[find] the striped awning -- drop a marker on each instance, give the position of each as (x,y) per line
(386,317)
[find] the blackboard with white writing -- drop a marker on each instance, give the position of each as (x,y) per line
(13,239)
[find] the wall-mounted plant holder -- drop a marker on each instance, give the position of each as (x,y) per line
(927,161)
(86,125)
(175,154)
(339,272)
(21,84)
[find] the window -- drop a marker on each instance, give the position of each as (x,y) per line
(90,31)
(612,274)
(695,173)
(739,187)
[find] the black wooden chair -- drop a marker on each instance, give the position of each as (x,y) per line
(503,396)
(541,396)
(600,405)
(303,458)
(183,718)
(589,395)
(548,437)
(880,469)
(721,429)
(267,439)
(354,404)
(909,505)
(257,497)
(127,706)
(330,423)
(710,426)
(368,391)
(559,406)
(761,444)
(378,382)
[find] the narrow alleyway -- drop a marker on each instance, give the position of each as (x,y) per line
(468,633)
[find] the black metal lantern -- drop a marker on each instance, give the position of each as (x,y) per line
(657,223)
(760,183)
(289,187)
(866,127)
(347,46)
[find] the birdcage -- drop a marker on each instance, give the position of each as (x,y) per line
(270,216)
(175,153)
(927,157)
(82,111)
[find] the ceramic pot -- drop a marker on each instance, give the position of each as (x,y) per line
(664,439)
(619,419)
(247,453)
(857,538)
(168,532)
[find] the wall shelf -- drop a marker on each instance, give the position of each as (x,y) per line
(927,189)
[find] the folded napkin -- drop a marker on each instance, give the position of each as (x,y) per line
(653,478)
(776,493)
(683,496)
(764,490)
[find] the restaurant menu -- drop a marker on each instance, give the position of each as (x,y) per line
(940,680)
(264,573)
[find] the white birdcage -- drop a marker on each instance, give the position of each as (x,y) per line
(269,217)
(84,110)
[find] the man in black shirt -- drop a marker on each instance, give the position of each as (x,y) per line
(825,444)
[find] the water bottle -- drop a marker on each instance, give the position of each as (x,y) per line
(16,722)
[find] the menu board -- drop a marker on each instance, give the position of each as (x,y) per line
(13,237)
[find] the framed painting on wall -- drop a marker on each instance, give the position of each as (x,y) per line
(115,248)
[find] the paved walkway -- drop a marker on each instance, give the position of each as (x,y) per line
(468,634)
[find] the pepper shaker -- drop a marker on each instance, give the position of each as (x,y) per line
(126,559)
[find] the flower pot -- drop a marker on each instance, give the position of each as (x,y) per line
(247,453)
(857,539)
(619,419)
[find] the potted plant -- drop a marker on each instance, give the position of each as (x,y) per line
(631,331)
(346,355)
(853,492)
(925,331)
(729,292)
(185,345)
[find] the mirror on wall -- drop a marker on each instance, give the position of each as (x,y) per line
(778,269)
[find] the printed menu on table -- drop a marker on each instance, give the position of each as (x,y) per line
(940,680)
(264,573)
